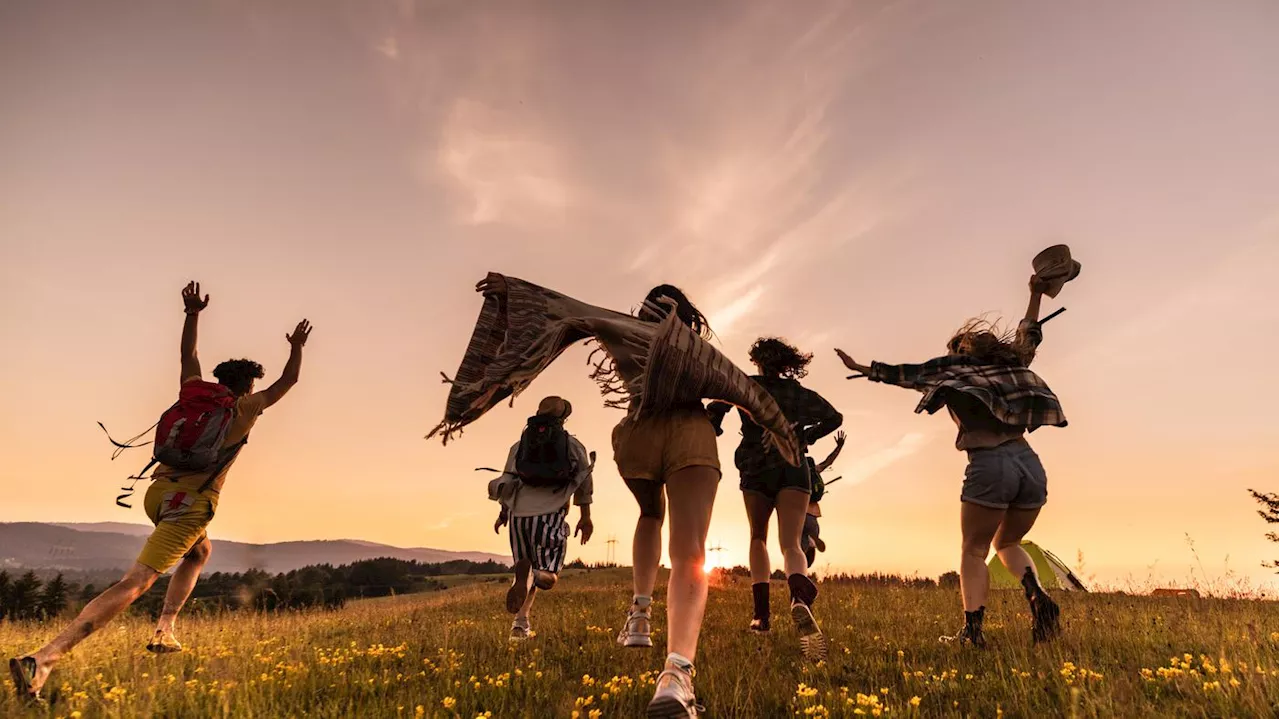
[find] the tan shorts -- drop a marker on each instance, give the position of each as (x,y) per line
(181,515)
(655,448)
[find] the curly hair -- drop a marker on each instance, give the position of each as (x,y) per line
(986,342)
(652,311)
(238,374)
(776,358)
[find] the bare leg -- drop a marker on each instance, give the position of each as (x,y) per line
(792,505)
(692,493)
(95,615)
(978,527)
(182,583)
(523,614)
(646,546)
(1008,541)
(759,512)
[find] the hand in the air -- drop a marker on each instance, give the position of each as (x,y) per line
(300,334)
(493,285)
(840,435)
(191,300)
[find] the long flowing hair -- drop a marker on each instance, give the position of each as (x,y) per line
(653,310)
(987,342)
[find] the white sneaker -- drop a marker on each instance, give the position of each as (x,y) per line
(637,631)
(673,697)
(520,632)
(812,642)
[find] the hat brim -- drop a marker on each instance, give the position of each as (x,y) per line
(1054,284)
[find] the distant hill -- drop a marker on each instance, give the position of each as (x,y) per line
(115,545)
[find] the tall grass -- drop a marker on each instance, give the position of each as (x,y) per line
(445,654)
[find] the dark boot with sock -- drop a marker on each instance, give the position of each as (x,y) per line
(1044,611)
(971,633)
(760,597)
(813,644)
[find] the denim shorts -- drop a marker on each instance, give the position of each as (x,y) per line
(1006,476)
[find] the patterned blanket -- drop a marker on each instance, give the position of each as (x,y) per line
(515,340)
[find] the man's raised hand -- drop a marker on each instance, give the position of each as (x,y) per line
(300,334)
(191,300)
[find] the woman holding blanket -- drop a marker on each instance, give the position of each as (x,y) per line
(995,400)
(659,366)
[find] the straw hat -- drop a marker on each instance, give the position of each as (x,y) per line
(1055,267)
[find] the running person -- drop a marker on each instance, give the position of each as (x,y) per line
(180,503)
(994,400)
(659,366)
(770,484)
(538,513)
(809,538)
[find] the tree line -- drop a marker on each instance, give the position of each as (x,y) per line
(26,597)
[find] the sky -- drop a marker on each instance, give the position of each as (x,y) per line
(863,175)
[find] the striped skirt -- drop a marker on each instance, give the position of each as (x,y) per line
(541,539)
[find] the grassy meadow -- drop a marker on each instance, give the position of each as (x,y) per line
(445,654)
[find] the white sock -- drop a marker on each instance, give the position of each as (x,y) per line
(641,602)
(680,661)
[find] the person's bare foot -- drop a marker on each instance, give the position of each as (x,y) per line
(29,676)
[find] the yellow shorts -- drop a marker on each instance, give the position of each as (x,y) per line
(655,448)
(181,514)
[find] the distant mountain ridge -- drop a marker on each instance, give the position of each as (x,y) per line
(115,545)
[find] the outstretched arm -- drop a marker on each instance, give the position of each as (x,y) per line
(192,304)
(292,368)
(1037,287)
(825,464)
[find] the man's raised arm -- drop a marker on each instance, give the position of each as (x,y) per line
(192,304)
(292,368)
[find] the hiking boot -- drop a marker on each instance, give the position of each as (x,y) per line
(1044,611)
(813,644)
(520,586)
(760,607)
(520,631)
(637,631)
(673,696)
(971,632)
(164,643)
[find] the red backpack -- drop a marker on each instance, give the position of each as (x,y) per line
(190,434)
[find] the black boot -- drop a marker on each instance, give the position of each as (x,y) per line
(972,631)
(760,597)
(1044,611)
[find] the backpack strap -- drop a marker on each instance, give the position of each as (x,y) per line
(223,465)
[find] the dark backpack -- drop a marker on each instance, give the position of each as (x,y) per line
(817,488)
(544,458)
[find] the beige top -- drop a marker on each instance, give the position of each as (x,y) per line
(525,501)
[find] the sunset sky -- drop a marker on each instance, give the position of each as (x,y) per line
(864,175)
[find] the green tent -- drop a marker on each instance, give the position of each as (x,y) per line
(1054,574)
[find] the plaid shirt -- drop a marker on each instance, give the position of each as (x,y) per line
(1015,395)
(812,416)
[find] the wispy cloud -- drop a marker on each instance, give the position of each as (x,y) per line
(868,465)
